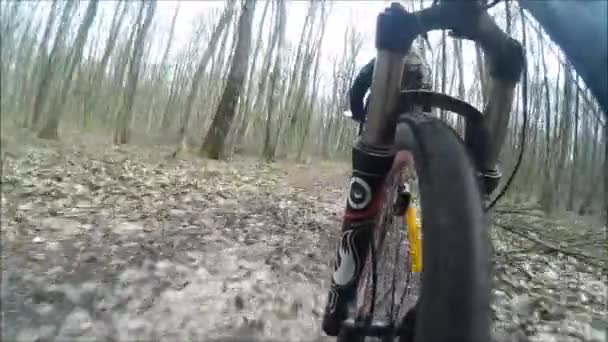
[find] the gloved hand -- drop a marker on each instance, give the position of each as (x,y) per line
(463,17)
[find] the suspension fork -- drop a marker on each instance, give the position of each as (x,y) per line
(374,152)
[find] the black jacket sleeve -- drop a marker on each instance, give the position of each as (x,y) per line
(358,90)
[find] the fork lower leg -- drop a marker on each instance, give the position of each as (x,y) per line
(370,166)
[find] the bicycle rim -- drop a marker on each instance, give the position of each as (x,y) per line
(388,288)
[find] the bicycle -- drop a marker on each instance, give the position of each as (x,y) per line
(453,303)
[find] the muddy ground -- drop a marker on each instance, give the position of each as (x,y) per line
(121,243)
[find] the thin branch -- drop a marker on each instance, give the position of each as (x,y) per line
(588,259)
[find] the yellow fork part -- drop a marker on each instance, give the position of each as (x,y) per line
(413,230)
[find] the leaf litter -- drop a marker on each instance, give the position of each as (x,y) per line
(116,244)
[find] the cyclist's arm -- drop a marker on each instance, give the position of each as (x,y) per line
(357,91)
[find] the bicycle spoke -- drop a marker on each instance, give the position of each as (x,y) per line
(406,291)
(394,286)
(381,294)
(374,279)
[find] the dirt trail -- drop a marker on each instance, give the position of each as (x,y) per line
(121,245)
(116,244)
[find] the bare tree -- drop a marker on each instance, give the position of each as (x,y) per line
(91,101)
(315,82)
(564,135)
(444,67)
(257,105)
(299,75)
(606,175)
(49,130)
(591,165)
(279,40)
(177,73)
(125,112)
(461,90)
(162,70)
(213,146)
(18,100)
(574,172)
(483,78)
(47,69)
(547,194)
(244,105)
(8,27)
(125,50)
(200,70)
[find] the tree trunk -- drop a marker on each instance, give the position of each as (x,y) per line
(164,124)
(28,62)
(444,67)
(243,108)
(564,138)
(112,38)
(123,119)
(461,92)
(124,54)
(547,192)
(278,40)
(606,176)
(574,173)
(311,105)
(47,69)
(483,81)
(50,128)
(293,84)
(213,146)
(257,106)
(12,78)
(556,100)
(229,54)
(329,120)
(587,204)
(170,37)
(315,84)
(9,24)
(162,72)
(200,71)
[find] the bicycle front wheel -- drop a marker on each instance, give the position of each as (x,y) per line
(455,290)
(453,294)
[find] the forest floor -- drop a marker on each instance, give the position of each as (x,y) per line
(121,243)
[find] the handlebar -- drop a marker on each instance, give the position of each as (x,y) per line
(469,20)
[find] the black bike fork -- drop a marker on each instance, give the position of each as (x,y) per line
(363,203)
(374,152)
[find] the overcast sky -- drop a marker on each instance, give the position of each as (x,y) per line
(361,14)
